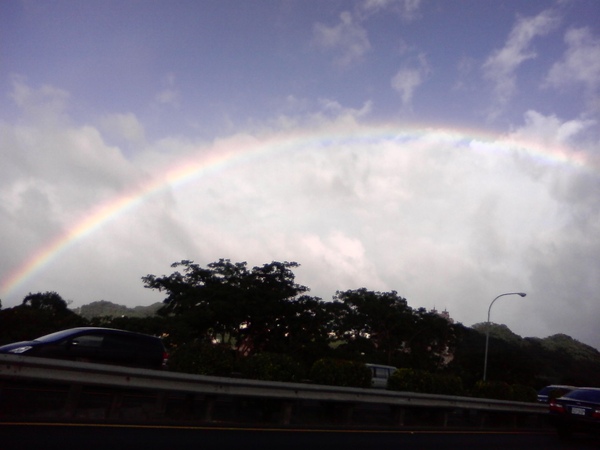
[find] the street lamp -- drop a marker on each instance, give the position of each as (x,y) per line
(487,329)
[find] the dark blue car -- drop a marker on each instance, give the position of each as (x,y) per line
(578,410)
(94,344)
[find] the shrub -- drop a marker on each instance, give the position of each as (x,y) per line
(446,384)
(272,367)
(414,380)
(339,372)
(411,380)
(522,393)
(202,359)
(498,390)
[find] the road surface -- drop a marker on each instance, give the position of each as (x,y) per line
(25,436)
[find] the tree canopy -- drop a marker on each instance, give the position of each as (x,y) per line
(264,309)
(251,309)
(39,314)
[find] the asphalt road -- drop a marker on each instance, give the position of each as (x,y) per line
(116,437)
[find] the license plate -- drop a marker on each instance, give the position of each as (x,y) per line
(578,411)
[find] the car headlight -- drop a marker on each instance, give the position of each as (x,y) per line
(20,349)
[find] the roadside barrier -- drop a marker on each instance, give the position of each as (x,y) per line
(41,389)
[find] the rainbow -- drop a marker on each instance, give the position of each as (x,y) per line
(236,151)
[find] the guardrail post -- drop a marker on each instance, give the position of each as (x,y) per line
(347,413)
(115,405)
(73,399)
(483,419)
(399,415)
(444,418)
(209,406)
(160,407)
(287,407)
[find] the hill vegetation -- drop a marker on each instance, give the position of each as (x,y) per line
(103,308)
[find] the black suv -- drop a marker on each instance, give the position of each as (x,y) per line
(93,344)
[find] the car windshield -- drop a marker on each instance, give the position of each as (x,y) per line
(588,395)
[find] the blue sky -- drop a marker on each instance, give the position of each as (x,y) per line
(448,150)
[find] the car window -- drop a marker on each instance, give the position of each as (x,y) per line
(381,372)
(120,342)
(587,395)
(545,391)
(88,340)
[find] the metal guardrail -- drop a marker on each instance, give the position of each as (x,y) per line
(31,369)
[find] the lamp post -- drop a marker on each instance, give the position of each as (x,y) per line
(487,329)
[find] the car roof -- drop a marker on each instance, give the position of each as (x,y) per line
(559,386)
(81,330)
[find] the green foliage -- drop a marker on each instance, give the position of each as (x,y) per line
(501,390)
(415,380)
(411,380)
(227,302)
(384,318)
(272,367)
(498,390)
(38,315)
(202,359)
(565,344)
(447,384)
(520,393)
(498,331)
(263,311)
(103,308)
(338,372)
(380,326)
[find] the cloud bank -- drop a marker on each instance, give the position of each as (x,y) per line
(448,218)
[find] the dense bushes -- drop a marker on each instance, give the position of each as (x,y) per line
(272,367)
(338,372)
(522,393)
(219,360)
(413,380)
(202,359)
(503,391)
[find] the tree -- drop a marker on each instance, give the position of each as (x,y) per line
(226,302)
(37,315)
(47,301)
(432,342)
(303,331)
(377,322)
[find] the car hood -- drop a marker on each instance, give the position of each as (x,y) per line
(8,347)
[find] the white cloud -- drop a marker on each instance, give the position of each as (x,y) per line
(444,219)
(580,63)
(405,82)
(334,109)
(170,95)
(348,38)
(408,79)
(550,130)
(305,113)
(407,9)
(124,127)
(501,66)
(47,103)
